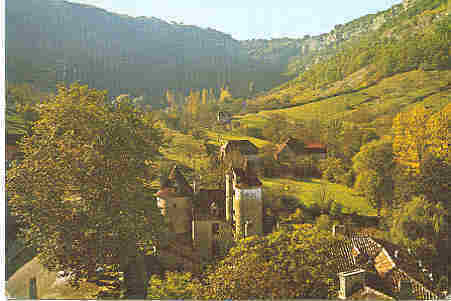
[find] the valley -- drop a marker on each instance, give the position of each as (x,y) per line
(152,159)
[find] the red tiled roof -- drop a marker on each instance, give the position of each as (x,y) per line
(299,148)
(246,178)
(315,145)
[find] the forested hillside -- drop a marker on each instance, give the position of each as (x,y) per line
(417,39)
(51,41)
(349,130)
(55,41)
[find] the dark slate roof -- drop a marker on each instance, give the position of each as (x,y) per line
(405,261)
(368,249)
(245,147)
(246,178)
(343,251)
(206,197)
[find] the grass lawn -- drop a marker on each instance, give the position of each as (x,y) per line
(185,148)
(307,190)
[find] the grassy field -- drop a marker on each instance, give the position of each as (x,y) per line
(396,93)
(214,138)
(187,150)
(307,190)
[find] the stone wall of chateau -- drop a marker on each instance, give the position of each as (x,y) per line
(204,236)
(178,211)
(248,209)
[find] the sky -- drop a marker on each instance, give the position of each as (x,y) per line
(251,19)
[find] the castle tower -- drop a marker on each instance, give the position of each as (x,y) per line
(175,202)
(247,201)
(229,196)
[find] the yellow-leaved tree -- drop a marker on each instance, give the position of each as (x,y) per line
(411,136)
(225,95)
(440,134)
(418,132)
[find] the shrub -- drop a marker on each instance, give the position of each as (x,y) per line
(332,169)
(347,179)
(336,209)
(172,286)
(323,222)
(254,132)
(290,202)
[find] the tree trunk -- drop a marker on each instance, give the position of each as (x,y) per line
(135,275)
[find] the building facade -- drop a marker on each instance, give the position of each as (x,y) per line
(205,216)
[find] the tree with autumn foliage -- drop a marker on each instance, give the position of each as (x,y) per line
(421,149)
(411,136)
(81,191)
(225,95)
(282,265)
(374,167)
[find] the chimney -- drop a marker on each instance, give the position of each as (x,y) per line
(350,282)
(338,229)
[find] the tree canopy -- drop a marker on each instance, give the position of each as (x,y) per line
(285,264)
(374,166)
(80,190)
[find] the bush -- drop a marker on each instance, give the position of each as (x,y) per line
(315,210)
(347,179)
(290,202)
(297,218)
(254,132)
(305,167)
(335,209)
(323,222)
(332,169)
(173,286)
(269,165)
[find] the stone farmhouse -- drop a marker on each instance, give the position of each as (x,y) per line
(293,148)
(224,117)
(244,147)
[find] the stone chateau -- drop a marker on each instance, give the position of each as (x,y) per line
(201,216)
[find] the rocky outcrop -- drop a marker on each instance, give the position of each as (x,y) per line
(407,3)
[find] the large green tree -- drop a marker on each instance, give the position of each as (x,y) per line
(285,264)
(423,225)
(20,102)
(374,166)
(172,286)
(80,190)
